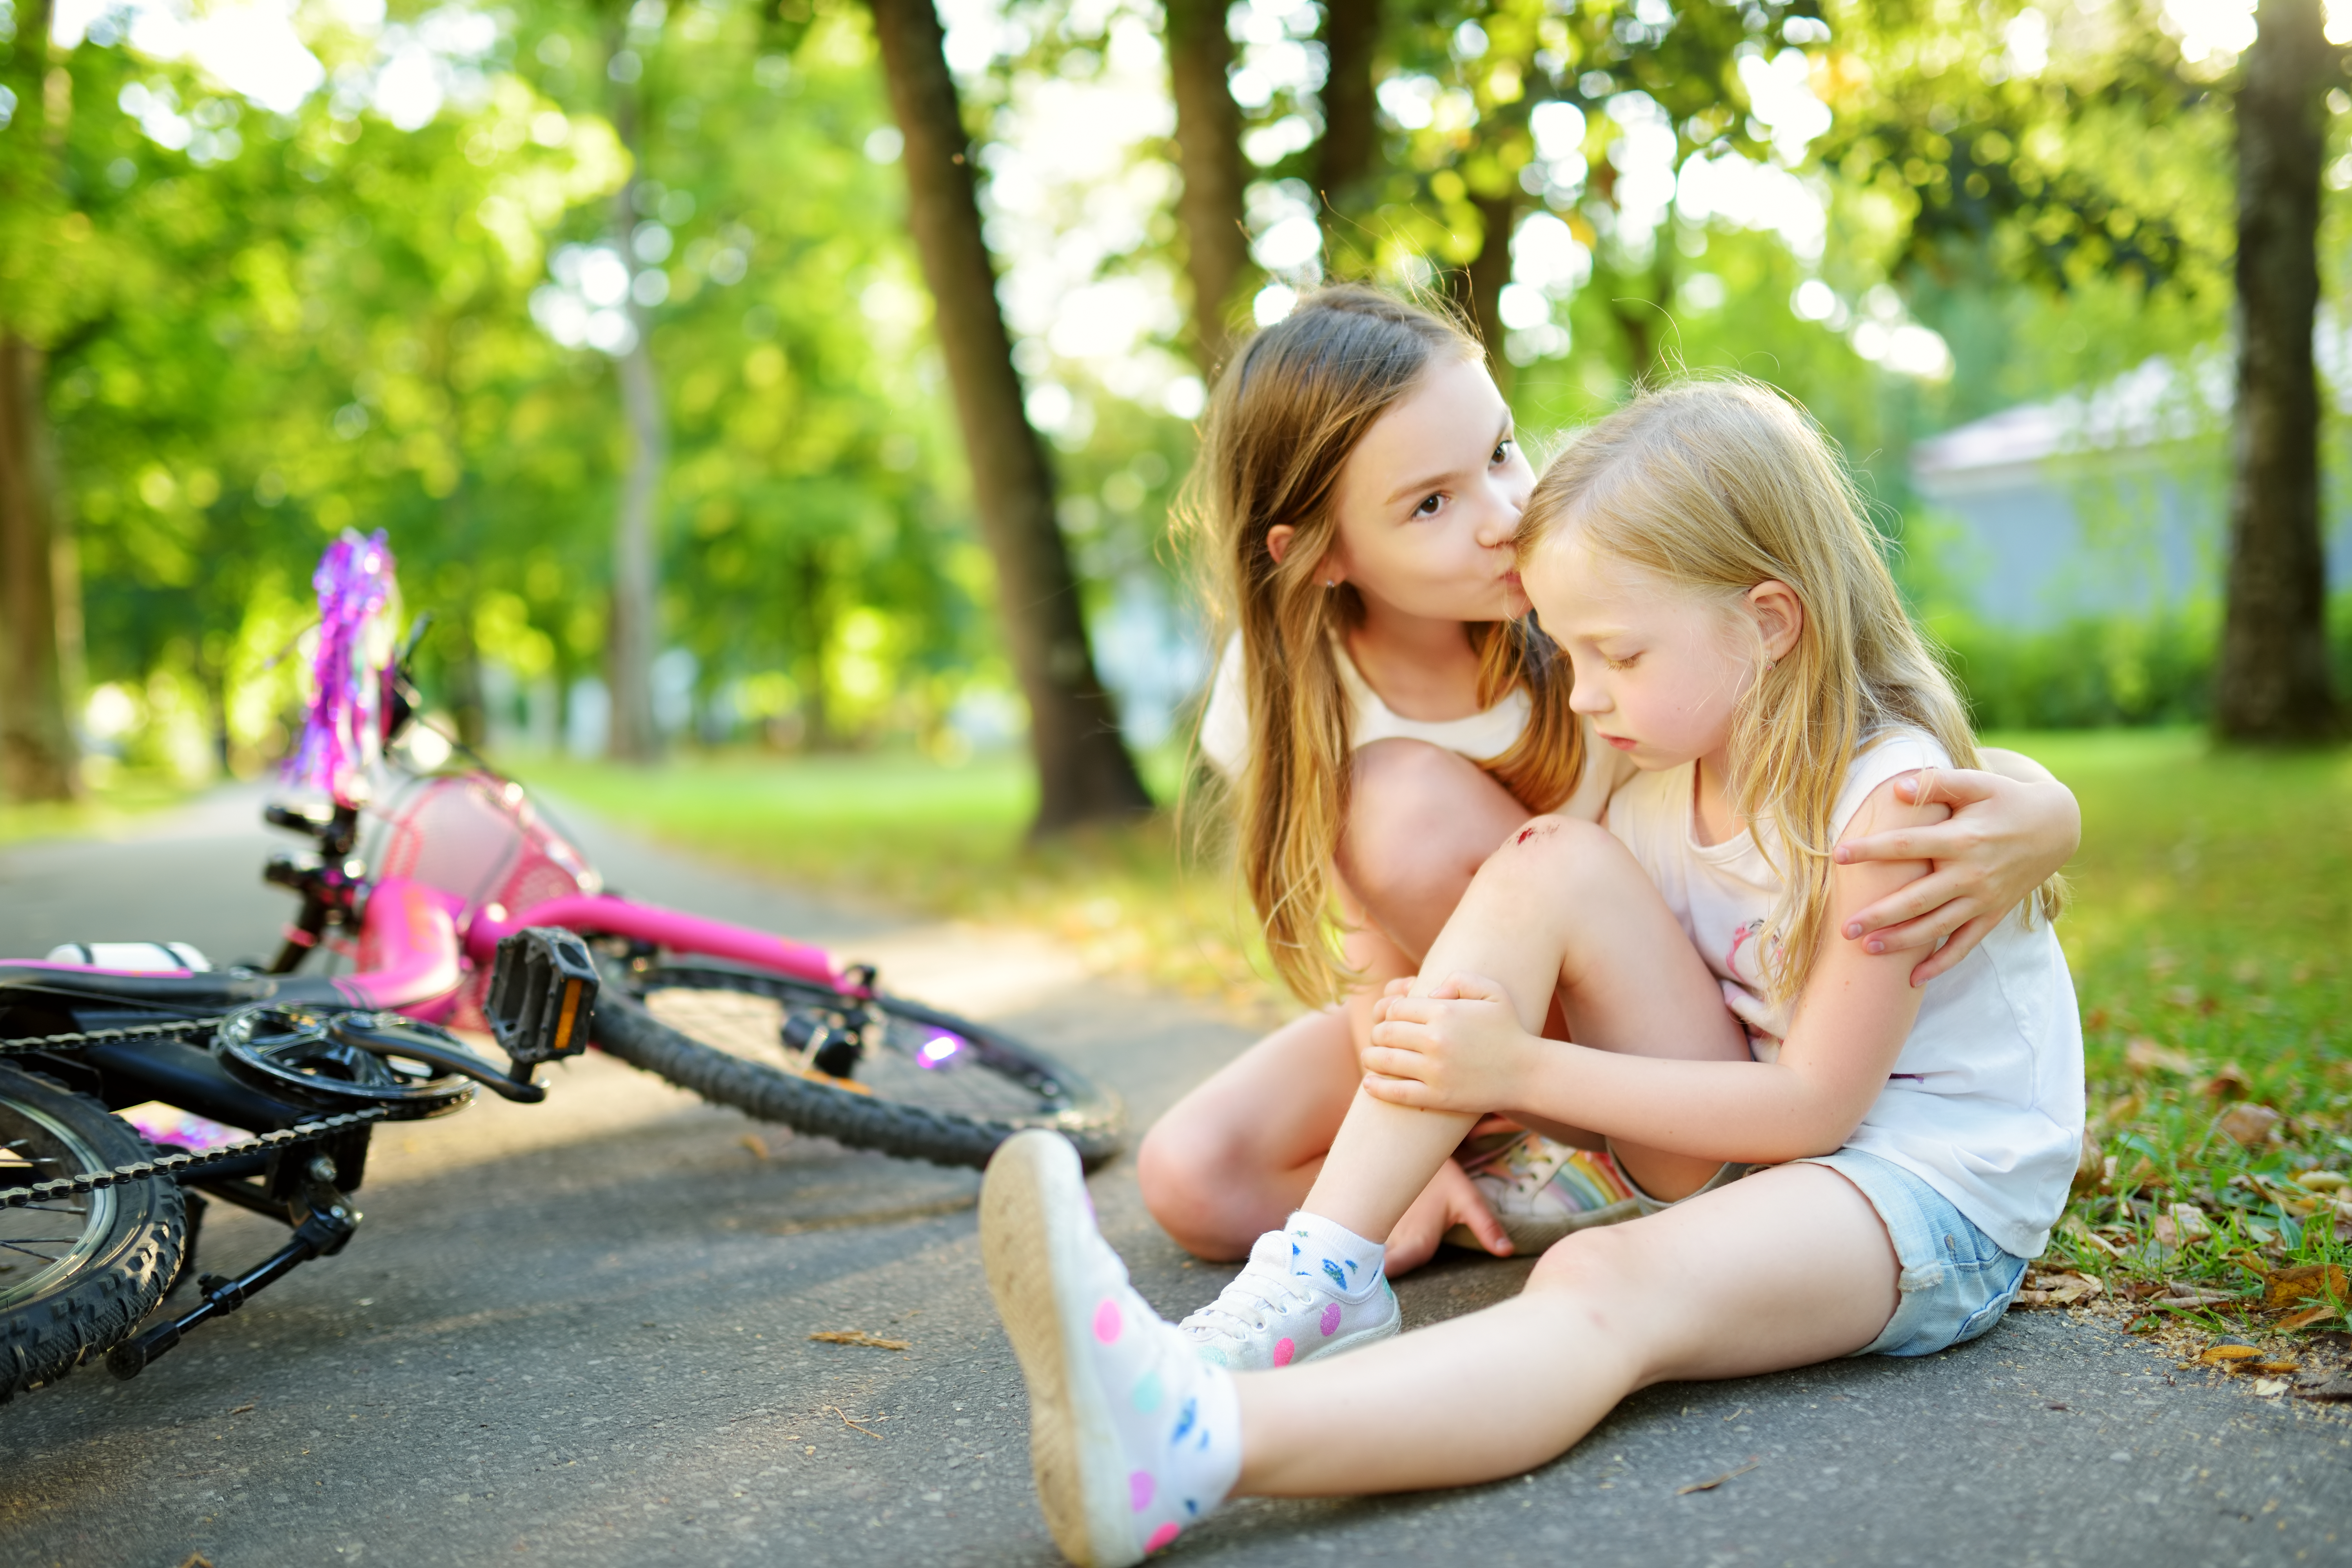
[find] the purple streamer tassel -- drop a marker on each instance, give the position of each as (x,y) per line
(342,734)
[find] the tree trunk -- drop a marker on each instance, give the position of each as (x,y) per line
(813,627)
(1209,156)
(1477,289)
(2272,681)
(39,757)
(632,633)
(1083,768)
(1350,144)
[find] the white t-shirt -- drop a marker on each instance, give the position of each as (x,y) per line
(1482,737)
(1985,1102)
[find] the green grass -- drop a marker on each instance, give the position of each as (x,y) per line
(2211,898)
(129,795)
(2211,902)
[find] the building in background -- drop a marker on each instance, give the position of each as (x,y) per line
(2111,503)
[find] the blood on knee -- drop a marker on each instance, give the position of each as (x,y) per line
(1542,828)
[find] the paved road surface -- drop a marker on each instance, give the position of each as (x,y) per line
(577,1332)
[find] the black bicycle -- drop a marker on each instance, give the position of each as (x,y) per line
(98,1227)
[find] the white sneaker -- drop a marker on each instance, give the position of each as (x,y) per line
(1131,1438)
(1270,1317)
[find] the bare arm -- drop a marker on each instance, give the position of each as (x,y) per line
(1464,1047)
(2014,825)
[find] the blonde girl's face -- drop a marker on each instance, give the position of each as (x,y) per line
(1427,502)
(1660,669)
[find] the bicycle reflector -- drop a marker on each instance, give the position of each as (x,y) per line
(543,997)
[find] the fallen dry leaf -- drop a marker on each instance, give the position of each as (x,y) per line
(2179,1225)
(2274,1368)
(2270,1387)
(1710,1486)
(242,1408)
(755,1144)
(859,1337)
(2090,1165)
(2323,1181)
(2227,1355)
(197,1560)
(2304,1282)
(2228,1082)
(2072,1228)
(2248,1124)
(2144,1055)
(2059,1290)
(2308,1317)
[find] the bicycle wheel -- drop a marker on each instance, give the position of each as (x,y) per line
(75,1275)
(919,1084)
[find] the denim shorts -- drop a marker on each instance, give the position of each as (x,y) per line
(1955,1280)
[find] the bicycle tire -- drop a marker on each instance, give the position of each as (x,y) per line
(1064,1100)
(134,1236)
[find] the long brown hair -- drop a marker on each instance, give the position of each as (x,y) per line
(1294,402)
(1717,486)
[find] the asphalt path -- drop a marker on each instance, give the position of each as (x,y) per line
(579,1332)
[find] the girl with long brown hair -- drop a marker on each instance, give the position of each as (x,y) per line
(1388,718)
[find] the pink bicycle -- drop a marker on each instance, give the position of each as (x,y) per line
(417,876)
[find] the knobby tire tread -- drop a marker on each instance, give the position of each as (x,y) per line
(624,1028)
(95,1309)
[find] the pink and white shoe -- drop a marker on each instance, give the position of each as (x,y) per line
(1272,1315)
(1132,1438)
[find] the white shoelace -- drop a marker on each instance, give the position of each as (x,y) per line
(1268,1292)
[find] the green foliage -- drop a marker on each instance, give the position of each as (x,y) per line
(2089,672)
(295,324)
(2207,900)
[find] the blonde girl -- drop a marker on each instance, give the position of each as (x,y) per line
(1701,559)
(1388,722)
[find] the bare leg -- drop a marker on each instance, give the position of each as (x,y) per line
(1563,907)
(1232,1159)
(1236,1155)
(1789,1267)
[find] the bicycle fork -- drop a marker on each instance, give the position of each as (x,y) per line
(323,1233)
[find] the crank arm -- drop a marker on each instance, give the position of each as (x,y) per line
(391,1040)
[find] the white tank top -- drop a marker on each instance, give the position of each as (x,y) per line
(1985,1102)
(1482,737)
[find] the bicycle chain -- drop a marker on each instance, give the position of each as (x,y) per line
(176,1165)
(74,1039)
(173,1165)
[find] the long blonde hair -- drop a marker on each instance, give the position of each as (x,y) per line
(1294,402)
(1717,486)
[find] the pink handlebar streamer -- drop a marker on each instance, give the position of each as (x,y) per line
(342,734)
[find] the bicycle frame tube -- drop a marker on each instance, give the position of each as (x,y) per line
(407,940)
(603,914)
(408,944)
